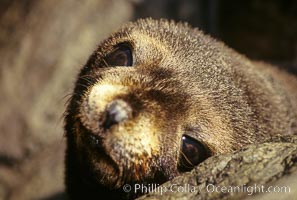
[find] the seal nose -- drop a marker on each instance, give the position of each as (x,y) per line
(116,112)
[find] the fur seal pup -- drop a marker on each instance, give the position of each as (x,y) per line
(157,98)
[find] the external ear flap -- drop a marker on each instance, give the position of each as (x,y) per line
(192,152)
(121,56)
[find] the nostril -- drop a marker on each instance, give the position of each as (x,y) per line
(116,112)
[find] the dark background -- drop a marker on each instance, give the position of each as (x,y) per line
(44,43)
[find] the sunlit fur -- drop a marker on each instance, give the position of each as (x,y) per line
(181,82)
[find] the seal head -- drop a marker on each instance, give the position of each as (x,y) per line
(157,98)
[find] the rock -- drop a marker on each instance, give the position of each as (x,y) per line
(239,174)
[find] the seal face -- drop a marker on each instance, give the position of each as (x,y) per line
(122,114)
(157,98)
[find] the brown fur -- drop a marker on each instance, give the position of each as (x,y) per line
(181,81)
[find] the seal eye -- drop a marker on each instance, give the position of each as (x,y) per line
(192,152)
(121,56)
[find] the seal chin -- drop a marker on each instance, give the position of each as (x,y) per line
(114,170)
(118,158)
(112,165)
(106,171)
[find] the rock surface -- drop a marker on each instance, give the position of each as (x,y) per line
(250,173)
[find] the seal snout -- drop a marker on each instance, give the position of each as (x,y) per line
(116,112)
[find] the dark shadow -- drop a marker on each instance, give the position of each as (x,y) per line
(57,196)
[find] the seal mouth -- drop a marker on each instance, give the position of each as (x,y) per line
(116,158)
(103,163)
(95,142)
